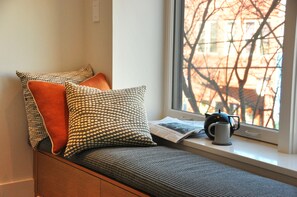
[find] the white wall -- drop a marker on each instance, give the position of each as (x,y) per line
(59,35)
(98,37)
(138,27)
(37,36)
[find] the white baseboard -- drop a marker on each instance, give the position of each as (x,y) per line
(20,188)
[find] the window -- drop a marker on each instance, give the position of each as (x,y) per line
(265,40)
(249,31)
(208,38)
(231,37)
(229,55)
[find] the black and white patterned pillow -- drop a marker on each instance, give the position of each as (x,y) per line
(36,128)
(106,118)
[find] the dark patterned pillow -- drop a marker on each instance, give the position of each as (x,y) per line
(35,124)
(109,118)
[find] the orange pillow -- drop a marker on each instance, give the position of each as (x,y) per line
(50,99)
(97,81)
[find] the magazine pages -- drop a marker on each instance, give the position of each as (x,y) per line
(175,130)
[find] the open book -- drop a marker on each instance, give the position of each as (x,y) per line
(175,130)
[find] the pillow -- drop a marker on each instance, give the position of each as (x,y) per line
(98,81)
(35,125)
(109,118)
(51,103)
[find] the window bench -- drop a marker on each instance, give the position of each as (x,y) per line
(147,171)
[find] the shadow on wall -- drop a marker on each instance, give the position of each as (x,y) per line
(15,155)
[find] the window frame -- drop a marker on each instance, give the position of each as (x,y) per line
(286,137)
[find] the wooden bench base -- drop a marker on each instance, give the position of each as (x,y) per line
(55,176)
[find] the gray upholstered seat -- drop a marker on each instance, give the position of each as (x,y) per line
(163,171)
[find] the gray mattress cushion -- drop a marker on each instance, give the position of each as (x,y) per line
(164,171)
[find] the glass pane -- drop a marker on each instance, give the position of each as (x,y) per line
(232,58)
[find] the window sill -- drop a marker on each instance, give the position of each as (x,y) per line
(252,152)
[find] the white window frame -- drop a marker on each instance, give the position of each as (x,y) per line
(286,137)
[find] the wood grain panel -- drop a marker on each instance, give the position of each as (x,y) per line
(57,179)
(108,189)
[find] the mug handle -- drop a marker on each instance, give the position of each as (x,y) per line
(210,126)
(238,122)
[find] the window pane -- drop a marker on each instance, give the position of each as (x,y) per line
(232,59)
